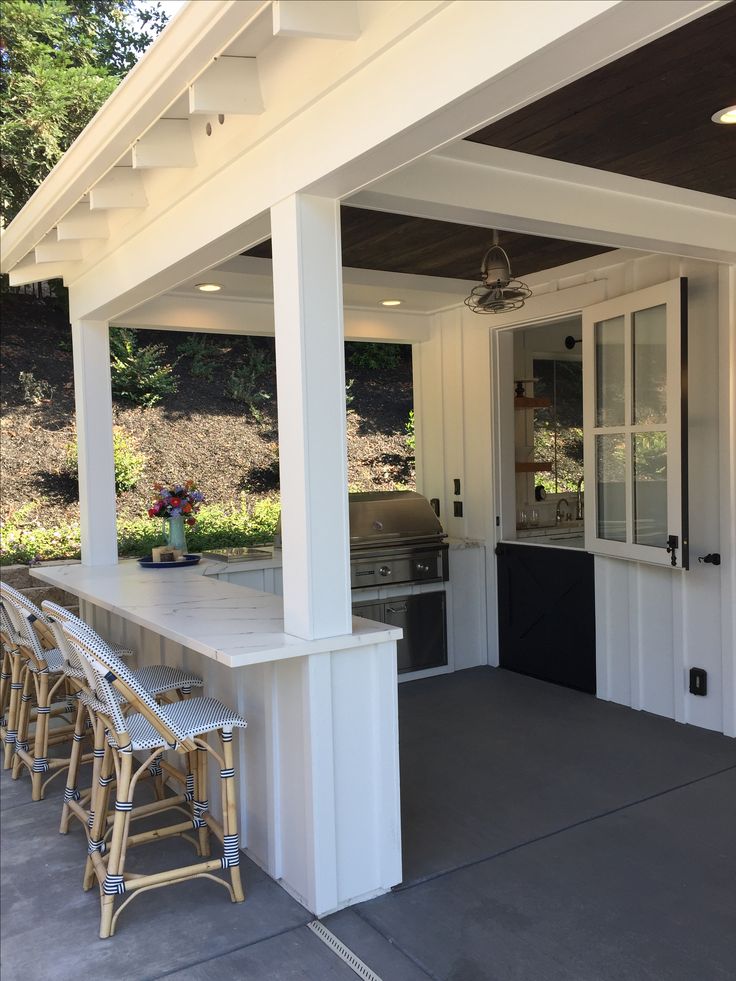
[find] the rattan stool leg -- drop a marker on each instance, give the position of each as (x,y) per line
(13,716)
(201,803)
(98,810)
(114,883)
(230,836)
(24,720)
(71,791)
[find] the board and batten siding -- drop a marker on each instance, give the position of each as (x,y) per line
(652,624)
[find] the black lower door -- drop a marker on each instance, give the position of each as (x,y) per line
(546,612)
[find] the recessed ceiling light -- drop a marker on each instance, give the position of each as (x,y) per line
(727,115)
(391,303)
(208,287)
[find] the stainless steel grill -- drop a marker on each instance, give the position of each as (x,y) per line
(395,537)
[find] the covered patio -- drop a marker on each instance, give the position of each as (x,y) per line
(580,840)
(476,824)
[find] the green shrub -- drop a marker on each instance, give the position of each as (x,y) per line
(410,438)
(374,357)
(247,381)
(23,540)
(349,393)
(129,465)
(137,373)
(200,354)
(35,390)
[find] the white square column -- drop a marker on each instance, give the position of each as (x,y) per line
(310,371)
(96,463)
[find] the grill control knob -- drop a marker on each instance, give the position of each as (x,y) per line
(384,571)
(422,567)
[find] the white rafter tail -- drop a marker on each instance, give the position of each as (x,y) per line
(168,143)
(31,272)
(231,86)
(51,250)
(336,20)
(82,223)
(121,187)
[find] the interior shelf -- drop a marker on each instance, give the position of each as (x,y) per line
(532,466)
(527,402)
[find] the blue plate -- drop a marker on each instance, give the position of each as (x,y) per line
(188,560)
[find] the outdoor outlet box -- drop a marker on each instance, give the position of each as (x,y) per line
(698,681)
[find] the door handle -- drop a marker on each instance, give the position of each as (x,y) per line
(396,609)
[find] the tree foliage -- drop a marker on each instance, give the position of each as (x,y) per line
(59,61)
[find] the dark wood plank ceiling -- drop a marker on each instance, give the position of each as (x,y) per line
(645,115)
(398,243)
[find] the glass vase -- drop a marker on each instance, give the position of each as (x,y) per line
(175,532)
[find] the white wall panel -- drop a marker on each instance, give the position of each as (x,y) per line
(652,625)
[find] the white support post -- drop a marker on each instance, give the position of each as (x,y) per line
(93,394)
(308,313)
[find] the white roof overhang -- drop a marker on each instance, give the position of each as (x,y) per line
(175,175)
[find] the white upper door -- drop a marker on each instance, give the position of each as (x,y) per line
(635,425)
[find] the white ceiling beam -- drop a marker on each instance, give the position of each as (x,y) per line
(31,272)
(51,250)
(168,143)
(474,184)
(244,316)
(121,187)
(336,20)
(81,223)
(230,86)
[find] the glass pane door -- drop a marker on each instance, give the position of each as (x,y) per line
(635,425)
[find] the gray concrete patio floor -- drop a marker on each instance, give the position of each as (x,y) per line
(547,835)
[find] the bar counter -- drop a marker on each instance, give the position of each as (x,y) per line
(318,765)
(231,624)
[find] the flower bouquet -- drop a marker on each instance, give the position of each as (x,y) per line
(177,504)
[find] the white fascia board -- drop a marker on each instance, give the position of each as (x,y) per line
(493,188)
(568,40)
(198,33)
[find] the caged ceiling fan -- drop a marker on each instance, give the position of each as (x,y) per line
(498,291)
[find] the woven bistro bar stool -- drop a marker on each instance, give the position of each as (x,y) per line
(41,679)
(161,681)
(11,684)
(152,729)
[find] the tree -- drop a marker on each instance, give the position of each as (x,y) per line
(59,61)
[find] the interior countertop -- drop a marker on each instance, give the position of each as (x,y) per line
(234,625)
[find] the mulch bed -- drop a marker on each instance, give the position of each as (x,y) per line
(198,432)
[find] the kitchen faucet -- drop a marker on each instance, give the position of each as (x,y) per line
(579,508)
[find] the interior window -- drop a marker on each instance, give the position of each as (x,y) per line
(558,427)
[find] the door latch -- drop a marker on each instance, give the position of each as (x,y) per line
(672,544)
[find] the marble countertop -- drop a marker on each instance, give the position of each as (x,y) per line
(234,625)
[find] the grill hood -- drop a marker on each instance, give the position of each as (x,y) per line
(388,517)
(378,517)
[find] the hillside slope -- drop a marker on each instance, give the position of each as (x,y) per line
(198,432)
